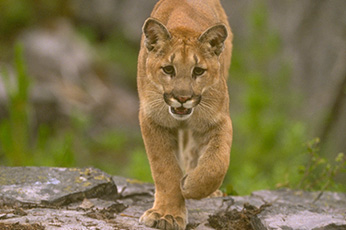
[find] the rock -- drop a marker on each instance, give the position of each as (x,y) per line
(303,210)
(130,188)
(53,186)
(87,198)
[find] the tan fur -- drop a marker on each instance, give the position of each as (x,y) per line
(184,115)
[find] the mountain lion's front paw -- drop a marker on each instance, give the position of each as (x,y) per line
(197,186)
(156,219)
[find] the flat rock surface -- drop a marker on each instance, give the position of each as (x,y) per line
(55,186)
(87,198)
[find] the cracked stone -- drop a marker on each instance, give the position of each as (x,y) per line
(87,198)
(53,186)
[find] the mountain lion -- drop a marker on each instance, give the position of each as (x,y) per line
(184,106)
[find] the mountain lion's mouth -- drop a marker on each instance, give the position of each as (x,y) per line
(181,110)
(180,113)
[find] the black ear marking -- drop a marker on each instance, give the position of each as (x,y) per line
(214,37)
(155,33)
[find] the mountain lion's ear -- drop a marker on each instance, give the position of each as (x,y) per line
(214,38)
(155,33)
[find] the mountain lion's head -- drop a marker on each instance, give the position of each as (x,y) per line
(183,64)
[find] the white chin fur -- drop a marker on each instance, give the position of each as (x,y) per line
(180,117)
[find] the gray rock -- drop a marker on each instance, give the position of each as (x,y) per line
(53,186)
(130,188)
(303,210)
(72,198)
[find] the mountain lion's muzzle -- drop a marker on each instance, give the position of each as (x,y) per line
(181,107)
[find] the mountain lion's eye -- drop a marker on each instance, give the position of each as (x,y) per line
(168,69)
(197,71)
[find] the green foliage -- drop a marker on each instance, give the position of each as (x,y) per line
(68,146)
(117,51)
(139,167)
(15,131)
(16,15)
(20,14)
(18,144)
(120,50)
(320,173)
(109,151)
(267,143)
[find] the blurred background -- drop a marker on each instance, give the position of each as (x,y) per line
(68,92)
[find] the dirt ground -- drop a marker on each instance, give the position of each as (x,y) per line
(246,219)
(17,226)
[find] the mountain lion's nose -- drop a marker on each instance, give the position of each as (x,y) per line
(182,99)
